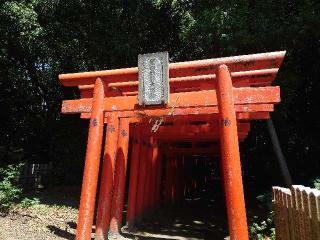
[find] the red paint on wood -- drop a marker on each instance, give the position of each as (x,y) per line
(133,183)
(230,157)
(120,177)
(91,167)
(106,185)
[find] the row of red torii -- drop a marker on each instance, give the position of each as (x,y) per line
(211,101)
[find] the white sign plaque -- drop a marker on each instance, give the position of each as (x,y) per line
(153,78)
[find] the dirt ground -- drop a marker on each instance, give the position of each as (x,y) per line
(38,223)
(196,218)
(187,221)
(201,216)
(54,218)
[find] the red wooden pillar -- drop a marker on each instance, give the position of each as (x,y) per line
(169,176)
(230,156)
(148,179)
(153,186)
(133,184)
(91,167)
(166,176)
(119,179)
(173,179)
(158,179)
(106,185)
(141,182)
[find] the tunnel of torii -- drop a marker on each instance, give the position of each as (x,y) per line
(211,103)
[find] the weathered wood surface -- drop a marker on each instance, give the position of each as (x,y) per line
(297,213)
(242,96)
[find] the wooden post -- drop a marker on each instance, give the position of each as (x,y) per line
(279,154)
(147,189)
(158,178)
(169,177)
(141,182)
(119,179)
(165,160)
(91,167)
(230,157)
(153,188)
(106,185)
(133,184)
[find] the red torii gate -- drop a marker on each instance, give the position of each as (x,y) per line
(219,95)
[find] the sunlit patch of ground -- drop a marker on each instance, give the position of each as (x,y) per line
(38,222)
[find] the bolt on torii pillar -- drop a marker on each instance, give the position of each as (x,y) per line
(224,89)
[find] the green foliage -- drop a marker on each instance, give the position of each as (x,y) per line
(9,191)
(316,183)
(263,229)
(29,202)
(40,39)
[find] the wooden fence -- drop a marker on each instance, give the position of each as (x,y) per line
(297,213)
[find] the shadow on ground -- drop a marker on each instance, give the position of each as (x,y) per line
(202,216)
(61,233)
(58,196)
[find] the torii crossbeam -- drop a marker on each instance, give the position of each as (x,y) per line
(211,100)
